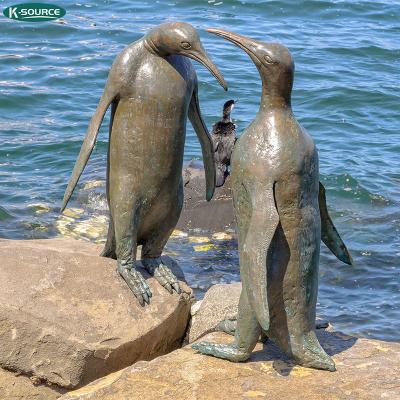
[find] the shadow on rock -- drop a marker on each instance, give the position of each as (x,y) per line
(332,342)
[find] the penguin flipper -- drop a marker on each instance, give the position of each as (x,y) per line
(329,234)
(207,146)
(254,249)
(88,144)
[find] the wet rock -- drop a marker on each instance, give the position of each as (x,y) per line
(222,236)
(178,233)
(198,239)
(73,212)
(216,215)
(92,228)
(39,208)
(66,317)
(94,184)
(366,370)
(219,303)
(19,387)
(205,247)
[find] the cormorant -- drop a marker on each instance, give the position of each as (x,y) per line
(224,137)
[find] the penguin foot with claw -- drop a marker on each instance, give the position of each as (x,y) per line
(162,273)
(227,352)
(135,281)
(307,351)
(229,326)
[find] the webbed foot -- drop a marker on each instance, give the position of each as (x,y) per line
(162,273)
(309,353)
(227,352)
(229,326)
(135,281)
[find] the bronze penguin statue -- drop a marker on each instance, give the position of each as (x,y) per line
(281,217)
(223,136)
(152,89)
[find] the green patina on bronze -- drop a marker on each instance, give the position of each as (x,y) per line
(152,90)
(281,218)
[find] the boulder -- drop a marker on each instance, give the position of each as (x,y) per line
(67,318)
(366,370)
(219,303)
(19,387)
(197,213)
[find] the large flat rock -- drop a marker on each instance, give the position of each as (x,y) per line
(67,317)
(366,370)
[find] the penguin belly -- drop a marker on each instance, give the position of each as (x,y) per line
(146,150)
(293,260)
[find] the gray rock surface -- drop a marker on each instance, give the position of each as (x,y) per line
(219,303)
(67,318)
(215,215)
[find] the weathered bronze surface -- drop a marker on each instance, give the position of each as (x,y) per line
(280,211)
(152,89)
(223,136)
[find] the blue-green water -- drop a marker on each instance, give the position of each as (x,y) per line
(346,93)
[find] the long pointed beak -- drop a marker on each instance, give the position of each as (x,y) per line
(203,58)
(248,45)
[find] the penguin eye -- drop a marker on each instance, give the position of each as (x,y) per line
(186,45)
(268,59)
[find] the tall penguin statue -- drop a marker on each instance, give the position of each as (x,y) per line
(152,89)
(281,218)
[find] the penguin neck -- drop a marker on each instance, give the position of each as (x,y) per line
(274,97)
(152,48)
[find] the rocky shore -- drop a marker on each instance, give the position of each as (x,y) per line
(70,328)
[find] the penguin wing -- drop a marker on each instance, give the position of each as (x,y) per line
(89,142)
(329,234)
(207,146)
(254,251)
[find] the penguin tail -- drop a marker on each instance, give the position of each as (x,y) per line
(329,233)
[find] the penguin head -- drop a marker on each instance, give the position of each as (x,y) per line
(181,38)
(273,61)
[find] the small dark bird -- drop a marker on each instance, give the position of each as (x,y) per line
(224,137)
